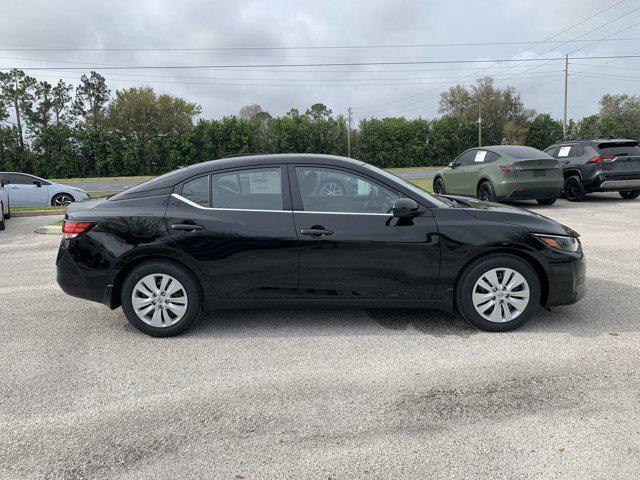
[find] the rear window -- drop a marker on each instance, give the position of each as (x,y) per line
(619,149)
(521,153)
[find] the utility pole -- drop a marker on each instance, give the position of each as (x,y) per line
(349,118)
(479,125)
(564,115)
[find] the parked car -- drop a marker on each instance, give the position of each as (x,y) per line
(5,206)
(29,190)
(183,243)
(600,165)
(502,173)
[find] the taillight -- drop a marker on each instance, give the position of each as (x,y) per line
(511,168)
(73,229)
(599,159)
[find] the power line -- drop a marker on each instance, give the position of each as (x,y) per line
(518,52)
(336,64)
(306,47)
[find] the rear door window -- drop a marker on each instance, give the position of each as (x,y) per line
(197,191)
(250,189)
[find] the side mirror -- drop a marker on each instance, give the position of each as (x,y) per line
(452,164)
(37,183)
(405,208)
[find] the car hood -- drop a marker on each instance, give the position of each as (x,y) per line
(497,212)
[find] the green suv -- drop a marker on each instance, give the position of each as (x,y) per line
(502,173)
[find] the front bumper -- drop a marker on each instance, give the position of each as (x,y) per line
(567,280)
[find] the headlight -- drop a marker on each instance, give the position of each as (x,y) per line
(566,244)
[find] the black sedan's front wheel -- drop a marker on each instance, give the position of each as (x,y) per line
(498,292)
(161,299)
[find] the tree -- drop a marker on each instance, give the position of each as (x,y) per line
(254,113)
(318,111)
(17,91)
(91,99)
(60,101)
(500,108)
(543,131)
(623,113)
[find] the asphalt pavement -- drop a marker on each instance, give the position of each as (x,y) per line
(324,394)
(118,185)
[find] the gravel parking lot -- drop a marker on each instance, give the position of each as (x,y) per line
(330,394)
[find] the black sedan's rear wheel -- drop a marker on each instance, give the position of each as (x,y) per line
(438,186)
(546,201)
(161,298)
(498,292)
(574,189)
(486,192)
(630,194)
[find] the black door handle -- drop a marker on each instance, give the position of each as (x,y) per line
(187,227)
(316,232)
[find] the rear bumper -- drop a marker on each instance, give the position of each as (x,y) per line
(72,281)
(535,193)
(620,184)
(567,282)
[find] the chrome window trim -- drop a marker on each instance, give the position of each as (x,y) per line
(194,204)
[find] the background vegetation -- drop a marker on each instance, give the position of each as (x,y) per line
(57,132)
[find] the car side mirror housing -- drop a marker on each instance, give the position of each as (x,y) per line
(452,164)
(405,208)
(37,183)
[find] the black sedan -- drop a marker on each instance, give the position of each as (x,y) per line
(261,231)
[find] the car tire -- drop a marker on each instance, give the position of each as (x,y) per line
(62,200)
(546,201)
(7,216)
(574,189)
(161,321)
(2,217)
(438,186)
(630,194)
(472,296)
(485,192)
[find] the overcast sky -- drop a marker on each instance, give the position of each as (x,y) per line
(381,90)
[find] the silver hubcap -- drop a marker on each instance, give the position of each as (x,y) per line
(63,200)
(331,190)
(159,300)
(501,295)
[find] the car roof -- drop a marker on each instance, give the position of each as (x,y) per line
(173,178)
(594,141)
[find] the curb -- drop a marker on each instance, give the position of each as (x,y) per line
(49,230)
(38,213)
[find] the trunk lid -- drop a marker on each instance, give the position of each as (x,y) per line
(620,158)
(536,169)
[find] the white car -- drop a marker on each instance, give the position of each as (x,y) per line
(5,207)
(29,190)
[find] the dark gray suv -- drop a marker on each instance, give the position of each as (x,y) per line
(600,165)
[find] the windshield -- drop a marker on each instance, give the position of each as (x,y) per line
(410,186)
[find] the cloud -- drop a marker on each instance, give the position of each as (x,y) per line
(202,23)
